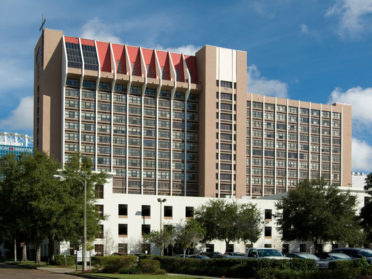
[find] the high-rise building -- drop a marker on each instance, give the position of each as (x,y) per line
(13,143)
(180,126)
(164,123)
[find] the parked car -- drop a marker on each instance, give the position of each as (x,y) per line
(326,258)
(235,255)
(355,253)
(333,256)
(268,253)
(319,262)
(200,257)
(213,255)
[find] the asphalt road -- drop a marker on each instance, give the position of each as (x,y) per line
(13,272)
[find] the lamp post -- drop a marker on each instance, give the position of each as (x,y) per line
(84,244)
(160,200)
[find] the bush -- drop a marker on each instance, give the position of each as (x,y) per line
(97,261)
(148,266)
(112,264)
(242,268)
(60,260)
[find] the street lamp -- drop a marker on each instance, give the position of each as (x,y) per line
(84,182)
(160,200)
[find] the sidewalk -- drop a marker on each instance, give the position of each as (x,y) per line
(57,269)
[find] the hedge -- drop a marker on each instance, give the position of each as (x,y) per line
(60,260)
(112,264)
(242,268)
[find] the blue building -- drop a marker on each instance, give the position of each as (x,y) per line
(15,143)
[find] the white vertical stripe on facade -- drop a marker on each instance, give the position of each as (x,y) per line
(96,114)
(331,149)
(298,141)
(129,72)
(233,124)
(250,149)
(309,133)
(113,84)
(187,78)
(64,78)
(320,141)
(263,147)
(219,123)
(287,149)
(80,93)
(144,75)
(275,138)
(158,90)
(173,91)
(341,138)
(287,130)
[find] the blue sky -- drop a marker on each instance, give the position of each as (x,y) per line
(314,50)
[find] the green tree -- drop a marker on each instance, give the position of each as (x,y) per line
(162,238)
(35,206)
(226,221)
(11,213)
(189,235)
(366,211)
(70,224)
(313,212)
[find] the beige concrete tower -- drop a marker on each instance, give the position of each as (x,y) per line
(47,93)
(222,76)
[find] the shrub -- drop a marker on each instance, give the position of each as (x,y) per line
(97,261)
(148,266)
(112,264)
(60,260)
(232,267)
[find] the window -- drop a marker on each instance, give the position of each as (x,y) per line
(123,248)
(230,248)
(146,210)
(98,248)
(100,232)
(302,247)
(285,249)
(168,211)
(99,210)
(267,231)
(145,229)
(99,191)
(123,209)
(123,229)
(268,214)
(189,212)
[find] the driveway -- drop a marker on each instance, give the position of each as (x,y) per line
(14,272)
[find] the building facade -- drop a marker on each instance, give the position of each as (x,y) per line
(170,124)
(181,126)
(15,143)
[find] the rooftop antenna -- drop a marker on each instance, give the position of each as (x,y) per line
(43,20)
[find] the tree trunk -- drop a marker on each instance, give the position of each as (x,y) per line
(227,245)
(38,254)
(15,249)
(51,250)
(24,253)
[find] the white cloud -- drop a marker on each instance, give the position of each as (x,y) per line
(359,98)
(353,16)
(361,155)
(304,28)
(96,30)
(186,49)
(258,84)
(14,75)
(21,118)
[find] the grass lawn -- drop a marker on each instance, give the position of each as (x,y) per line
(141,276)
